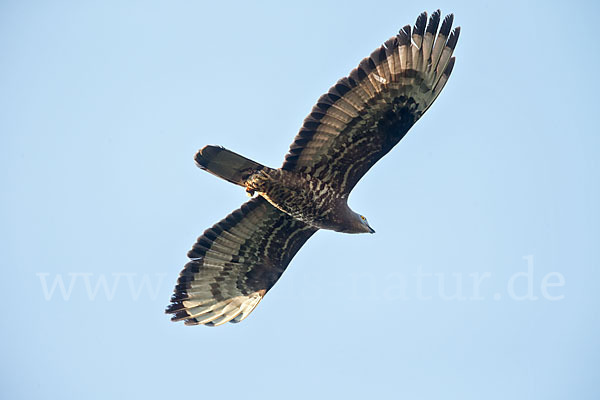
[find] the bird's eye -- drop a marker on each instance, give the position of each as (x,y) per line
(361,217)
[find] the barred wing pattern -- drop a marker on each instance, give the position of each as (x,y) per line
(235,263)
(364,115)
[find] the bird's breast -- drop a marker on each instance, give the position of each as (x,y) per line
(300,195)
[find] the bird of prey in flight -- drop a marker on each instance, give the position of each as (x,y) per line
(359,120)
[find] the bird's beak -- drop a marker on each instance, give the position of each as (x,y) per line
(371,230)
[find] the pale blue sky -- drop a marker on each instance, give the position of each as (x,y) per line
(482,279)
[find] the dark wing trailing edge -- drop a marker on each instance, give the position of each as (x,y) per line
(365,114)
(235,263)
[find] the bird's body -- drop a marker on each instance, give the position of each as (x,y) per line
(302,196)
(361,118)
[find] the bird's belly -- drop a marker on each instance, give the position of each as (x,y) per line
(308,200)
(307,213)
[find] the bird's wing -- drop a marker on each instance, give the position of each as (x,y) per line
(234,263)
(365,114)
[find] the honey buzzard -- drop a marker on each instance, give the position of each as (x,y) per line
(362,117)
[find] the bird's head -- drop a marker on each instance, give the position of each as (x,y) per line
(361,224)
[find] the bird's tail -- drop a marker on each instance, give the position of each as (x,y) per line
(226,164)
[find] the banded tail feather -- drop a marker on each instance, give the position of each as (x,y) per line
(226,164)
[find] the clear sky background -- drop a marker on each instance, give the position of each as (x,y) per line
(481,282)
